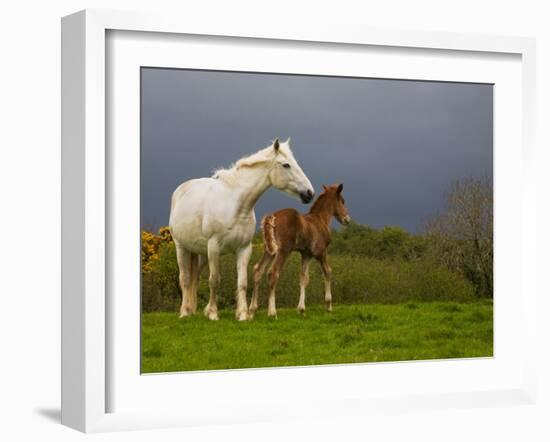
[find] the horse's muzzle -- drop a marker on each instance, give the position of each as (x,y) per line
(306,196)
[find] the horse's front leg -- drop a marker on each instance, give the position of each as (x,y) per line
(211,309)
(243,257)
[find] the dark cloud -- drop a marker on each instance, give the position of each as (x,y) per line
(395,144)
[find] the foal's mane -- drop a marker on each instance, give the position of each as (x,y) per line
(319,203)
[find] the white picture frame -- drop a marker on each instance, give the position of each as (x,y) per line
(85,202)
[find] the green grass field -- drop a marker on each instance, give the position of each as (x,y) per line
(351,333)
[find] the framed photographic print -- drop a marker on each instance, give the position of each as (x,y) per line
(263,224)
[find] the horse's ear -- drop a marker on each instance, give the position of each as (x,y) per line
(340,188)
(325,188)
(276,145)
(287,141)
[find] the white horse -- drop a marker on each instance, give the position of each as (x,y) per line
(211,216)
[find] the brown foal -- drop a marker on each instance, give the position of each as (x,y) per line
(287,230)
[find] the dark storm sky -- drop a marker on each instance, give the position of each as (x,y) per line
(395,144)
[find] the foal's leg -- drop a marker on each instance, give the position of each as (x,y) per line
(327,273)
(243,257)
(304,281)
(184,265)
(273,276)
(259,270)
(211,310)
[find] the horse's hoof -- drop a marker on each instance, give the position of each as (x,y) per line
(184,313)
(329,307)
(211,314)
(301,311)
(241,316)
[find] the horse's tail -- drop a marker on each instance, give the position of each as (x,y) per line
(271,244)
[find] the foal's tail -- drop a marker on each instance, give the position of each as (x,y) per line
(271,244)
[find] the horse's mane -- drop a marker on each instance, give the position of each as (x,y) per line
(262,156)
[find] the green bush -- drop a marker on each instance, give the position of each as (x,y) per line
(389,243)
(160,286)
(356,278)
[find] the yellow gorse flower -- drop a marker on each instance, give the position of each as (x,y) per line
(150,245)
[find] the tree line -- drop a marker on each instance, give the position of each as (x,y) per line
(457,241)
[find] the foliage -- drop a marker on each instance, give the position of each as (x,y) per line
(357,278)
(160,289)
(150,245)
(389,243)
(351,333)
(453,261)
(461,238)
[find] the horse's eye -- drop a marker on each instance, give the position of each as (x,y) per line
(286,166)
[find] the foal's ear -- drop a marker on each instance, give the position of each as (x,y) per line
(276,145)
(325,188)
(340,188)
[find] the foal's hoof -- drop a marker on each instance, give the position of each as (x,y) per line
(328,306)
(301,311)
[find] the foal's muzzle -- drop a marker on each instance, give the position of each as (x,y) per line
(345,220)
(306,196)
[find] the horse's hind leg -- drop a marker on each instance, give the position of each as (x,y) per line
(304,281)
(259,270)
(185,269)
(273,277)
(197,264)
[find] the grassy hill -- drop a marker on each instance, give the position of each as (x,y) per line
(350,334)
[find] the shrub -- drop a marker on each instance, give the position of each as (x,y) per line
(389,243)
(356,279)
(461,237)
(150,244)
